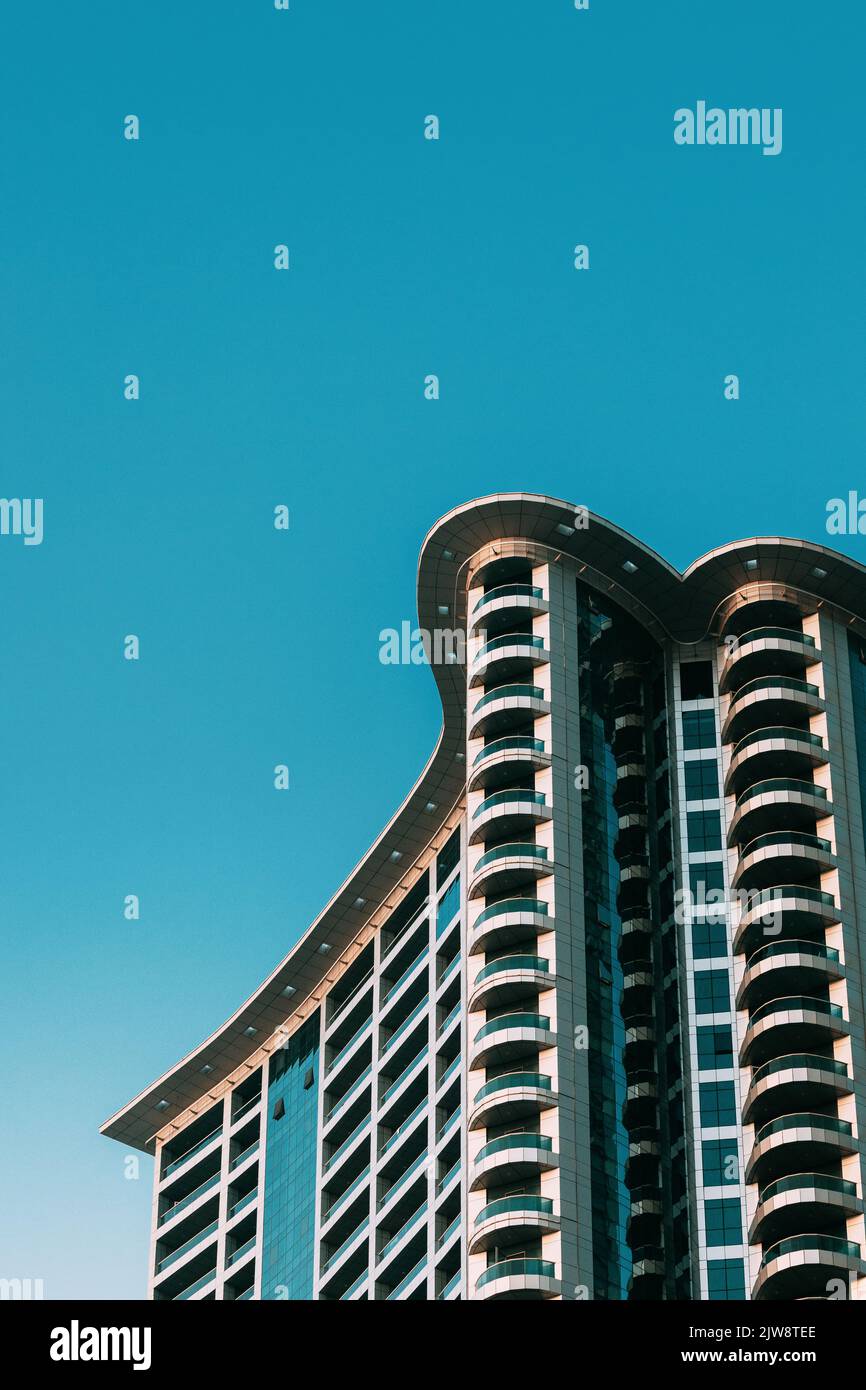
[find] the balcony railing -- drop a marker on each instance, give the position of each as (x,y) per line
(503,1205)
(511,1079)
(496,1025)
(505,1269)
(795,1060)
(782,784)
(508,591)
(534,905)
(511,639)
(832,1245)
(520,743)
(780,634)
(796,1001)
(823,1182)
(805,1121)
(188,1245)
(512,963)
(517,1140)
(207,1186)
(196,1148)
(508,797)
(778,731)
(792,947)
(525,850)
(506,692)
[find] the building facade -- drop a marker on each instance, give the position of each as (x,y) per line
(587,1021)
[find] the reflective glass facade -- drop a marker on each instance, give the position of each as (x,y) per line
(290,1167)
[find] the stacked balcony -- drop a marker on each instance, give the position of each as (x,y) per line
(640,1115)
(512,1033)
(781,825)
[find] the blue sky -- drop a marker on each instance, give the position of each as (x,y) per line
(306,388)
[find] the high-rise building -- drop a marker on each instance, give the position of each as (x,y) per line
(587,1020)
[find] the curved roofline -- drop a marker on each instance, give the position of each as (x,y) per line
(681,604)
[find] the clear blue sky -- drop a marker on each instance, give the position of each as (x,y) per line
(408,257)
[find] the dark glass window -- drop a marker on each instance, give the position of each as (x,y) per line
(715,1046)
(696,680)
(718,1103)
(712,992)
(702,779)
(699,728)
(704,831)
(724,1221)
(709,939)
(726,1279)
(447,858)
(720,1162)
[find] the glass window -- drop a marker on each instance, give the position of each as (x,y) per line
(704,830)
(726,1279)
(696,680)
(724,1221)
(709,939)
(720,1162)
(715,1046)
(712,992)
(449,906)
(718,1103)
(446,859)
(702,779)
(699,728)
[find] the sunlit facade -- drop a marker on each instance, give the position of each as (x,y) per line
(586,1022)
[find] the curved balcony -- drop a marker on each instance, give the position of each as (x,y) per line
(508,812)
(787,909)
(647,1273)
(518,1155)
(802,1266)
(639,1048)
(641,1099)
(508,868)
(516,1095)
(519,1279)
(798,1144)
(504,706)
(777,751)
(510,1036)
(767,701)
(768,651)
(788,854)
(523,1217)
(508,656)
(802,1202)
(642,1161)
(636,1001)
(782,967)
(797,1079)
(635,941)
(507,602)
(508,922)
(645,1214)
(508,979)
(780,803)
(795,1023)
(505,758)
(629,794)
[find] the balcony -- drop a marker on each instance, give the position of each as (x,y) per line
(509,812)
(511,1036)
(783,967)
(645,1214)
(513,1156)
(798,1144)
(790,908)
(511,655)
(517,1095)
(506,758)
(509,867)
(194,1151)
(642,1162)
(505,706)
(803,1265)
(508,979)
(508,922)
(797,1079)
(507,602)
(636,1003)
(770,701)
(768,651)
(783,854)
(523,1217)
(519,1279)
(641,1099)
(795,1023)
(803,1201)
(777,751)
(780,803)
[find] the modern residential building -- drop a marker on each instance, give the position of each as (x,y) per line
(587,1020)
